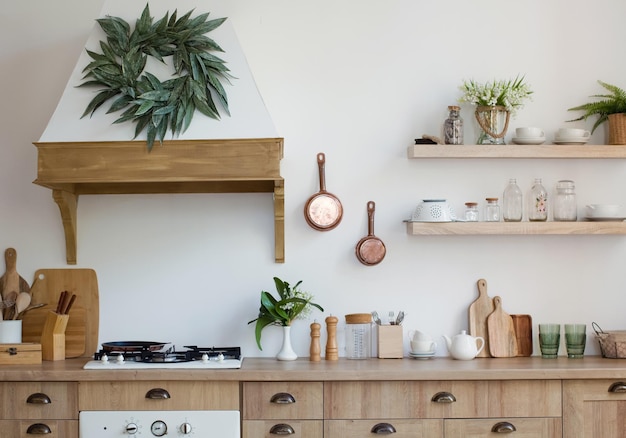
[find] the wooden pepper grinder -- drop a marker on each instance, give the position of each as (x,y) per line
(315,349)
(332,353)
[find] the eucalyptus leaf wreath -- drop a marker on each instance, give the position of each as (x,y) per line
(155,105)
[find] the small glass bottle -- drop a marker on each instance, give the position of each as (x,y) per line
(512,206)
(471,212)
(565,208)
(453,126)
(538,202)
(492,210)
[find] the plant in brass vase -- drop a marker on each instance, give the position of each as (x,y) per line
(495,102)
(605,106)
(292,303)
(153,105)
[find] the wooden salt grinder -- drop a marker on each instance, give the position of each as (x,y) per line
(315,349)
(332,353)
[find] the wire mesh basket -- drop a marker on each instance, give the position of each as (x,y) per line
(612,344)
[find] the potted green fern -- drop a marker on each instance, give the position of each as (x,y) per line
(611,107)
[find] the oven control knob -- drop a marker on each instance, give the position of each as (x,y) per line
(131,428)
(186,428)
(158,428)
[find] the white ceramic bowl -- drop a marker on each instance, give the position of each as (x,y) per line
(433,210)
(603,211)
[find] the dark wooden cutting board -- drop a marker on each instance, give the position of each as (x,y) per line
(523,325)
(479,310)
(502,340)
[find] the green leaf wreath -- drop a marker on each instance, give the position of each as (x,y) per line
(153,105)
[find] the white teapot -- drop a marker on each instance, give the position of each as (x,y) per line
(464,346)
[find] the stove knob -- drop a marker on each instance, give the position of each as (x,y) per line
(186,428)
(131,428)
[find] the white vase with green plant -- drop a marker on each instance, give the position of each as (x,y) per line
(496,102)
(292,304)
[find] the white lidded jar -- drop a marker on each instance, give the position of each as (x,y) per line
(512,206)
(358,335)
(565,208)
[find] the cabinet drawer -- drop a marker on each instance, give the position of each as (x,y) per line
(153,396)
(399,428)
(442,399)
(51,428)
(291,400)
(274,428)
(524,427)
(38,400)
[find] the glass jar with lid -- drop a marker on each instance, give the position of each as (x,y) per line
(453,126)
(565,208)
(492,210)
(358,335)
(471,212)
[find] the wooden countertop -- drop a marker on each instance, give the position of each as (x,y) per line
(269,369)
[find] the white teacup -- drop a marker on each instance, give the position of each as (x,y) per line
(528,132)
(572,133)
(416,335)
(423,346)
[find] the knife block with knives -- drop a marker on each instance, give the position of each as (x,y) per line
(53,334)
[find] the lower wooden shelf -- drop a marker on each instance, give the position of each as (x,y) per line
(513,228)
(71,169)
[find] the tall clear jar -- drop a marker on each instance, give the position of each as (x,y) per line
(538,202)
(492,210)
(453,126)
(358,335)
(512,206)
(565,208)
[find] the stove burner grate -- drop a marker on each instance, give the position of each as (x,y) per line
(170,355)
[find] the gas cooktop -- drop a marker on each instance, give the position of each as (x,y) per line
(153,355)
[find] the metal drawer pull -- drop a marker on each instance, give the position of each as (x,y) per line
(618,387)
(38,398)
(282,429)
(282,398)
(157,394)
(383,429)
(503,427)
(38,429)
(443,397)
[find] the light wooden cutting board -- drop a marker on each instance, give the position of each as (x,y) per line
(81,335)
(502,339)
(479,311)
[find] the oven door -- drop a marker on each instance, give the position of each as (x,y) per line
(107,424)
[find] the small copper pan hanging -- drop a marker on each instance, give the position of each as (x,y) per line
(323,210)
(370,250)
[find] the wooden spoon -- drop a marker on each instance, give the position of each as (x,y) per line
(21,303)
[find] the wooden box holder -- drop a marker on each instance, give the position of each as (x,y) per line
(390,342)
(53,337)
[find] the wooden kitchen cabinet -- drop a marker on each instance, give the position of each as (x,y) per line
(533,407)
(158,395)
(547,151)
(396,428)
(283,408)
(519,427)
(31,408)
(594,408)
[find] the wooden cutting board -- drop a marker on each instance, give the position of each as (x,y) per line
(523,325)
(81,334)
(479,310)
(502,340)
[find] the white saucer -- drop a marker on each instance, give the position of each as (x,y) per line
(572,140)
(421,355)
(528,140)
(605,219)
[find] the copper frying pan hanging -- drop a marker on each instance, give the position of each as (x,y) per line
(323,210)
(370,250)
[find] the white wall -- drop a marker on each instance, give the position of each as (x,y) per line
(358,80)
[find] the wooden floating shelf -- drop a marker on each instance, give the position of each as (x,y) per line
(513,228)
(516,151)
(71,169)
